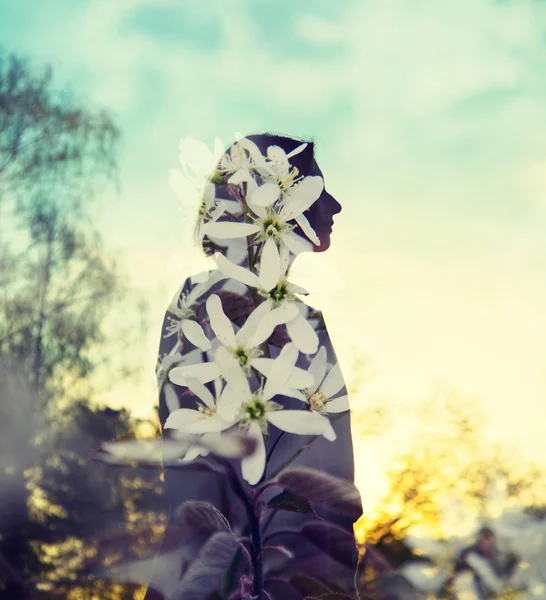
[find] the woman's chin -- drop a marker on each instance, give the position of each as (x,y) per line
(324,244)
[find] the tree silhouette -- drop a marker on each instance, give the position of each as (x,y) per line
(58,288)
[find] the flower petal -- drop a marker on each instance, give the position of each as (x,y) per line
(193,452)
(209,195)
(201,277)
(231,371)
(171,398)
(253,466)
(280,371)
(204,372)
(277,316)
(276,154)
(302,221)
(251,189)
(301,197)
(251,148)
(301,332)
(299,379)
(270,266)
(205,280)
(225,230)
(333,382)
(317,368)
(183,417)
(284,253)
(212,424)
(244,335)
(195,334)
(240,176)
(231,270)
(295,243)
(229,404)
(297,150)
(219,323)
(265,195)
(338,405)
(297,289)
(292,393)
(300,422)
(197,388)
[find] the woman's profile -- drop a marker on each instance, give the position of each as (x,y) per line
(241,354)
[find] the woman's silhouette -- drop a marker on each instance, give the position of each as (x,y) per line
(235,224)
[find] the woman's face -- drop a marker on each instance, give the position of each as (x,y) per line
(321,213)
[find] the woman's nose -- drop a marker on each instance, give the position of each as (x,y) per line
(336,206)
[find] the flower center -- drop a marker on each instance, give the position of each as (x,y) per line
(316,401)
(272,227)
(286,180)
(242,356)
(279,292)
(217,178)
(255,409)
(205,410)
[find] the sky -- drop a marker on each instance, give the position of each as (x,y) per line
(430,122)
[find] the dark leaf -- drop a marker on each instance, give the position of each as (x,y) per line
(333,493)
(201,516)
(334,541)
(330,596)
(286,500)
(205,574)
(316,574)
(310,586)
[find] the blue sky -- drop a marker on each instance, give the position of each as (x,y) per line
(430,122)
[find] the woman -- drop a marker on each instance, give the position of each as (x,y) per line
(240,352)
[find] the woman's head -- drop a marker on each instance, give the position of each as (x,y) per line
(287,162)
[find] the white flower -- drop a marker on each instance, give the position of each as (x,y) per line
(166,364)
(182,307)
(280,303)
(277,168)
(273,223)
(240,344)
(210,211)
(202,371)
(239,160)
(253,411)
(203,419)
(320,396)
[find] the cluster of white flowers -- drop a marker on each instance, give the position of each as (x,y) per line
(270,197)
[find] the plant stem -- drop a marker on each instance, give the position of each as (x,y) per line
(272,449)
(256,534)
